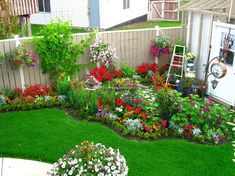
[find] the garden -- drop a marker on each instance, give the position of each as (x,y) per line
(160,128)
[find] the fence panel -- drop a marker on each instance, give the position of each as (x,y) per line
(132,48)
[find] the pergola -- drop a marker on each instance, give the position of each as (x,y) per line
(23,9)
(224,8)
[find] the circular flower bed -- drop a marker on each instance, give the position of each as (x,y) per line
(90,159)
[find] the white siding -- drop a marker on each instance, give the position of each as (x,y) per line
(112,12)
(72,10)
(204,45)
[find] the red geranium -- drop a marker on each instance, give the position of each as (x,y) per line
(137,111)
(129,108)
(102,74)
(145,67)
(144,115)
(119,102)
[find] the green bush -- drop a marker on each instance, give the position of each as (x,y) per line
(168,105)
(127,71)
(57,50)
(63,86)
(85,102)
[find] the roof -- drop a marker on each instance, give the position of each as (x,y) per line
(218,7)
(23,7)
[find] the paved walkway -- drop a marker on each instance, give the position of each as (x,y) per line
(20,167)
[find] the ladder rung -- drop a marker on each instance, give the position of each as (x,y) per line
(178,55)
(176,65)
(174,75)
(175,62)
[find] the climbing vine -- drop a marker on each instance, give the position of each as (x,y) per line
(58,52)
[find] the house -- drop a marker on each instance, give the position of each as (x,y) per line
(210,23)
(103,14)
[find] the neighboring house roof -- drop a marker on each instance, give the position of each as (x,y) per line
(23,7)
(218,7)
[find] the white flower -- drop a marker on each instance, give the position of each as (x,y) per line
(71,172)
(63,165)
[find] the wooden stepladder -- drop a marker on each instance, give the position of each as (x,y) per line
(176,68)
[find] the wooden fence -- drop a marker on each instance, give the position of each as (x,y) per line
(132,48)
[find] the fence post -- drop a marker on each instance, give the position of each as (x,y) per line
(157,28)
(17,41)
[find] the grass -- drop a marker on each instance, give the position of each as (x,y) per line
(35,29)
(150,24)
(45,135)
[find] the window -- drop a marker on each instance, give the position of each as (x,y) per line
(44,5)
(126,4)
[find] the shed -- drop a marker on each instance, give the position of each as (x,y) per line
(205,24)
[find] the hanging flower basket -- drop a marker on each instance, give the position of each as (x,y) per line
(160,47)
(21,56)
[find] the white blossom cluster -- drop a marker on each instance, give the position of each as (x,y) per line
(103,52)
(102,162)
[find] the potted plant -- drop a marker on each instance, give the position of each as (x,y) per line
(190,58)
(159,47)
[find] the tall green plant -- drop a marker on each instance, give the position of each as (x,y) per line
(8,23)
(57,50)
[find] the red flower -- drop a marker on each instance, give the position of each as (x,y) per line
(119,102)
(144,115)
(129,108)
(137,111)
(136,100)
(145,127)
(145,67)
(102,74)
(117,73)
(164,122)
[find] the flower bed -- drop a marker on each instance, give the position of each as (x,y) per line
(33,97)
(142,112)
(134,109)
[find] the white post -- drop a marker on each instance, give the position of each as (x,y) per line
(188,29)
(163,9)
(157,28)
(21,66)
(230,11)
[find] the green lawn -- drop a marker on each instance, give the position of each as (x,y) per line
(150,24)
(47,134)
(35,29)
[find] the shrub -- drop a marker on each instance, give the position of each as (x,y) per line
(63,86)
(90,159)
(127,71)
(167,101)
(84,101)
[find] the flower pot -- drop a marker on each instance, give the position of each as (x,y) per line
(190,66)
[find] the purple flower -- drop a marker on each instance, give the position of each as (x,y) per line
(210,100)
